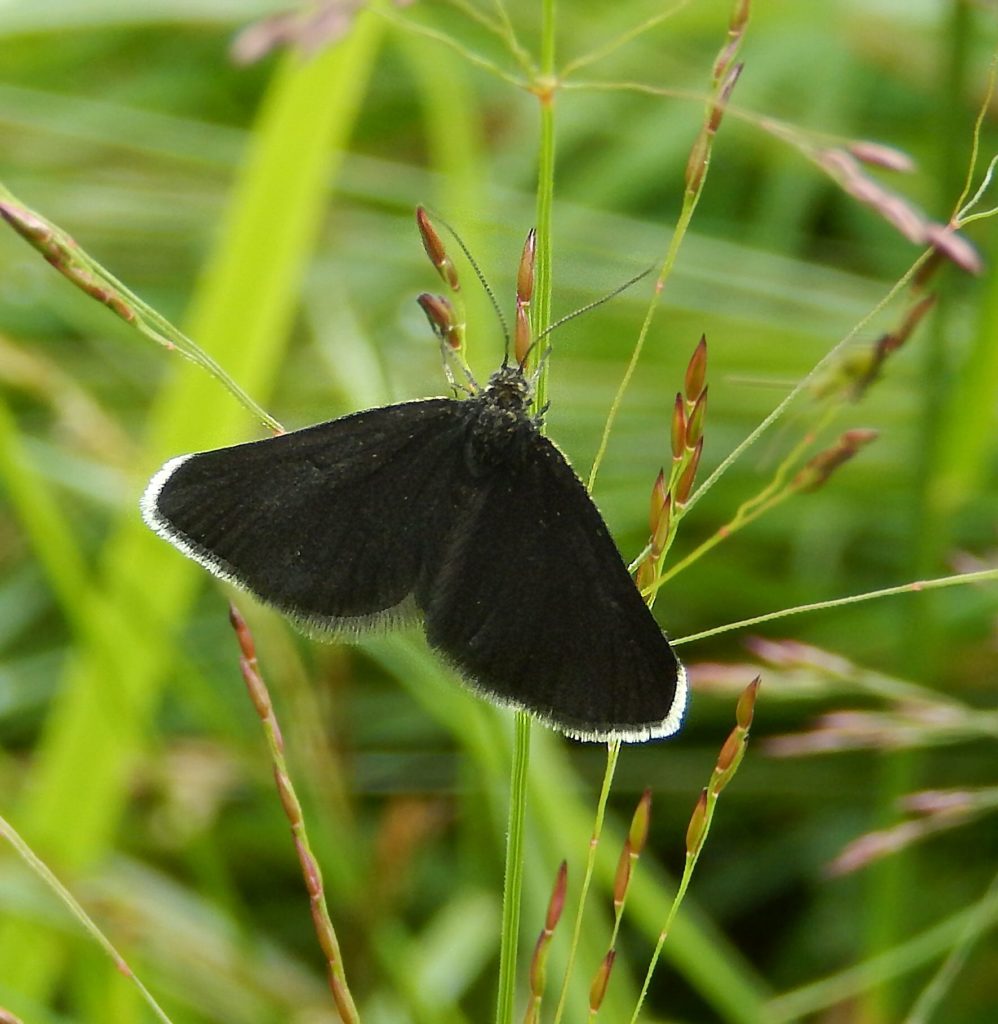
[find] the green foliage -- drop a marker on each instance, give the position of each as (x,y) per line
(267,209)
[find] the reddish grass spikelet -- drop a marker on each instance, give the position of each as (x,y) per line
(634,844)
(954,247)
(435,249)
(867,368)
(60,252)
(305,30)
(637,835)
(736,30)
(938,801)
(251,676)
(525,272)
(879,155)
(597,990)
(817,471)
(538,962)
(522,335)
(34,230)
(733,750)
(729,751)
(694,423)
(723,95)
(244,637)
(927,271)
(443,319)
(696,830)
(645,575)
(745,708)
(938,811)
(661,532)
(696,164)
(915,315)
(729,760)
(6,1017)
(678,427)
(659,496)
(556,904)
(847,172)
(696,371)
(524,293)
(622,876)
(724,77)
(685,483)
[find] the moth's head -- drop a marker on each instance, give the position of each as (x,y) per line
(508,388)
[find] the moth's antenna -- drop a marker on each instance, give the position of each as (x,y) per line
(592,305)
(481,280)
(589,306)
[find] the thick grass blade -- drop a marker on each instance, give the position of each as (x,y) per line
(241,315)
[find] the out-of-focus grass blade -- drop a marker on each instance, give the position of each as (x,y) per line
(241,315)
(64,15)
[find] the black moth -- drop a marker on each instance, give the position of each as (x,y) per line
(458,512)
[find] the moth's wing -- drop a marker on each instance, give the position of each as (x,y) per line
(533,605)
(333,524)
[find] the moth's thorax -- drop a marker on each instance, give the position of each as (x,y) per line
(499,419)
(508,389)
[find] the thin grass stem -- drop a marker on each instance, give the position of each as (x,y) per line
(473,58)
(975,148)
(612,754)
(622,39)
(696,177)
(915,587)
(8,832)
(739,450)
(773,494)
(932,995)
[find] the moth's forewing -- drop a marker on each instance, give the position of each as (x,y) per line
(333,525)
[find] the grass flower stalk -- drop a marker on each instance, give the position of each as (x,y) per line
(75,264)
(728,761)
(538,962)
(311,872)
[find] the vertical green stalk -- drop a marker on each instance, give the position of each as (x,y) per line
(514,870)
(545,89)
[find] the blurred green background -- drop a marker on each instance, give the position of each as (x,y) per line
(267,208)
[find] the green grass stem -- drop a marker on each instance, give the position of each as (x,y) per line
(915,587)
(612,753)
(48,878)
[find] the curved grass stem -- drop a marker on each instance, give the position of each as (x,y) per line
(91,277)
